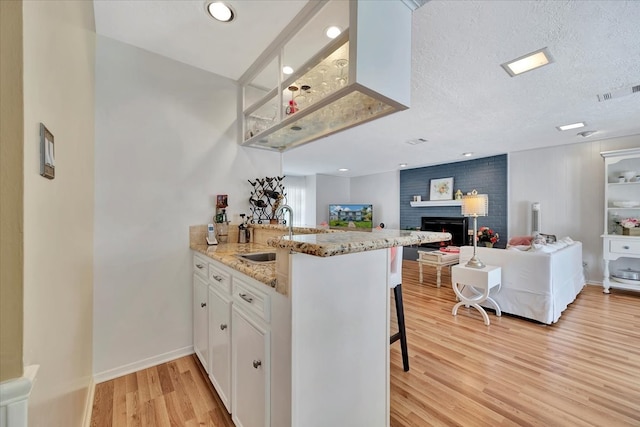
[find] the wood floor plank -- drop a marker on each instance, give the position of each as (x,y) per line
(153,379)
(148,413)
(143,386)
(133,408)
(120,402)
(162,418)
(102,411)
(186,407)
(583,370)
(165,379)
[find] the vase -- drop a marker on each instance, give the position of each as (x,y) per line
(488,244)
(273,221)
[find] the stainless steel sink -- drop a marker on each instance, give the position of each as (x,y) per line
(258,257)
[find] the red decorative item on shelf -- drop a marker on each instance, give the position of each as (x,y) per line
(292,108)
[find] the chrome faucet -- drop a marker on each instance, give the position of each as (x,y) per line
(280,211)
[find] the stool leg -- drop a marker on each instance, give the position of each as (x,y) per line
(397,292)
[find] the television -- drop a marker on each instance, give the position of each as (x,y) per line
(351,216)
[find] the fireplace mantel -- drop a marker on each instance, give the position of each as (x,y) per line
(433,203)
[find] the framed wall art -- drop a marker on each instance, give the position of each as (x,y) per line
(441,189)
(47,157)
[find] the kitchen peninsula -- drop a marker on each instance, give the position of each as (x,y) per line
(311,348)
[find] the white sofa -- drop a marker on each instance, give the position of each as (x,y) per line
(535,285)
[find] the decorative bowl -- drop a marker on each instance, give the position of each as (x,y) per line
(628,175)
(626,204)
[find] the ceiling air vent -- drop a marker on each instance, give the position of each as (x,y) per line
(416,141)
(619,93)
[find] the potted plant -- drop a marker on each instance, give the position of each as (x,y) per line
(487,236)
(630,226)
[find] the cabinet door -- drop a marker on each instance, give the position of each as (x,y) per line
(200,320)
(220,346)
(250,366)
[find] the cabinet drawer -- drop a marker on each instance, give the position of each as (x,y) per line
(251,299)
(630,247)
(200,265)
(220,279)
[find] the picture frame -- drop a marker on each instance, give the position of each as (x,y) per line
(47,154)
(441,189)
(222,201)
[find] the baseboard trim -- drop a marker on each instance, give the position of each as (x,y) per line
(141,364)
(88,405)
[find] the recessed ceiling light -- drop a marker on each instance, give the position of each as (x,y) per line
(220,11)
(333,32)
(571,126)
(416,141)
(343,170)
(528,62)
(403,165)
(287,70)
(468,154)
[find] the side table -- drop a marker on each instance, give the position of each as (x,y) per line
(480,281)
(437,259)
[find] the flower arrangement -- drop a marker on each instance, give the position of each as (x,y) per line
(630,222)
(485,234)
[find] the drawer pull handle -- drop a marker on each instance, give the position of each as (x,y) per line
(223,327)
(203,304)
(257,364)
(625,247)
(246,297)
(218,278)
(200,266)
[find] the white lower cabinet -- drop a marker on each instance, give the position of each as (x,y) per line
(232,334)
(250,371)
(220,345)
(201,320)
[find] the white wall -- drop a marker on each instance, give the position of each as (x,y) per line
(311,202)
(383,191)
(330,189)
(59,49)
(568,181)
(165,146)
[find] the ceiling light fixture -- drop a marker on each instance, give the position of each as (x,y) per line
(416,141)
(220,11)
(403,165)
(333,32)
(467,154)
(528,62)
(287,70)
(586,133)
(571,126)
(343,170)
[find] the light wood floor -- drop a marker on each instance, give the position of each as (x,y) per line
(582,371)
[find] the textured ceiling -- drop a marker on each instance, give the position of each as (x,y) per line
(462,100)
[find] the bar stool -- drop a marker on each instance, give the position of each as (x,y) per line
(395,282)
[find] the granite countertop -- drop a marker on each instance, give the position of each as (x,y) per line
(347,242)
(225,253)
(323,245)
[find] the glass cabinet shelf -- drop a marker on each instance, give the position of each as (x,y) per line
(348,81)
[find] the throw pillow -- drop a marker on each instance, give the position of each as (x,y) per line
(520,240)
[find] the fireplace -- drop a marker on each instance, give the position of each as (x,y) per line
(458,226)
